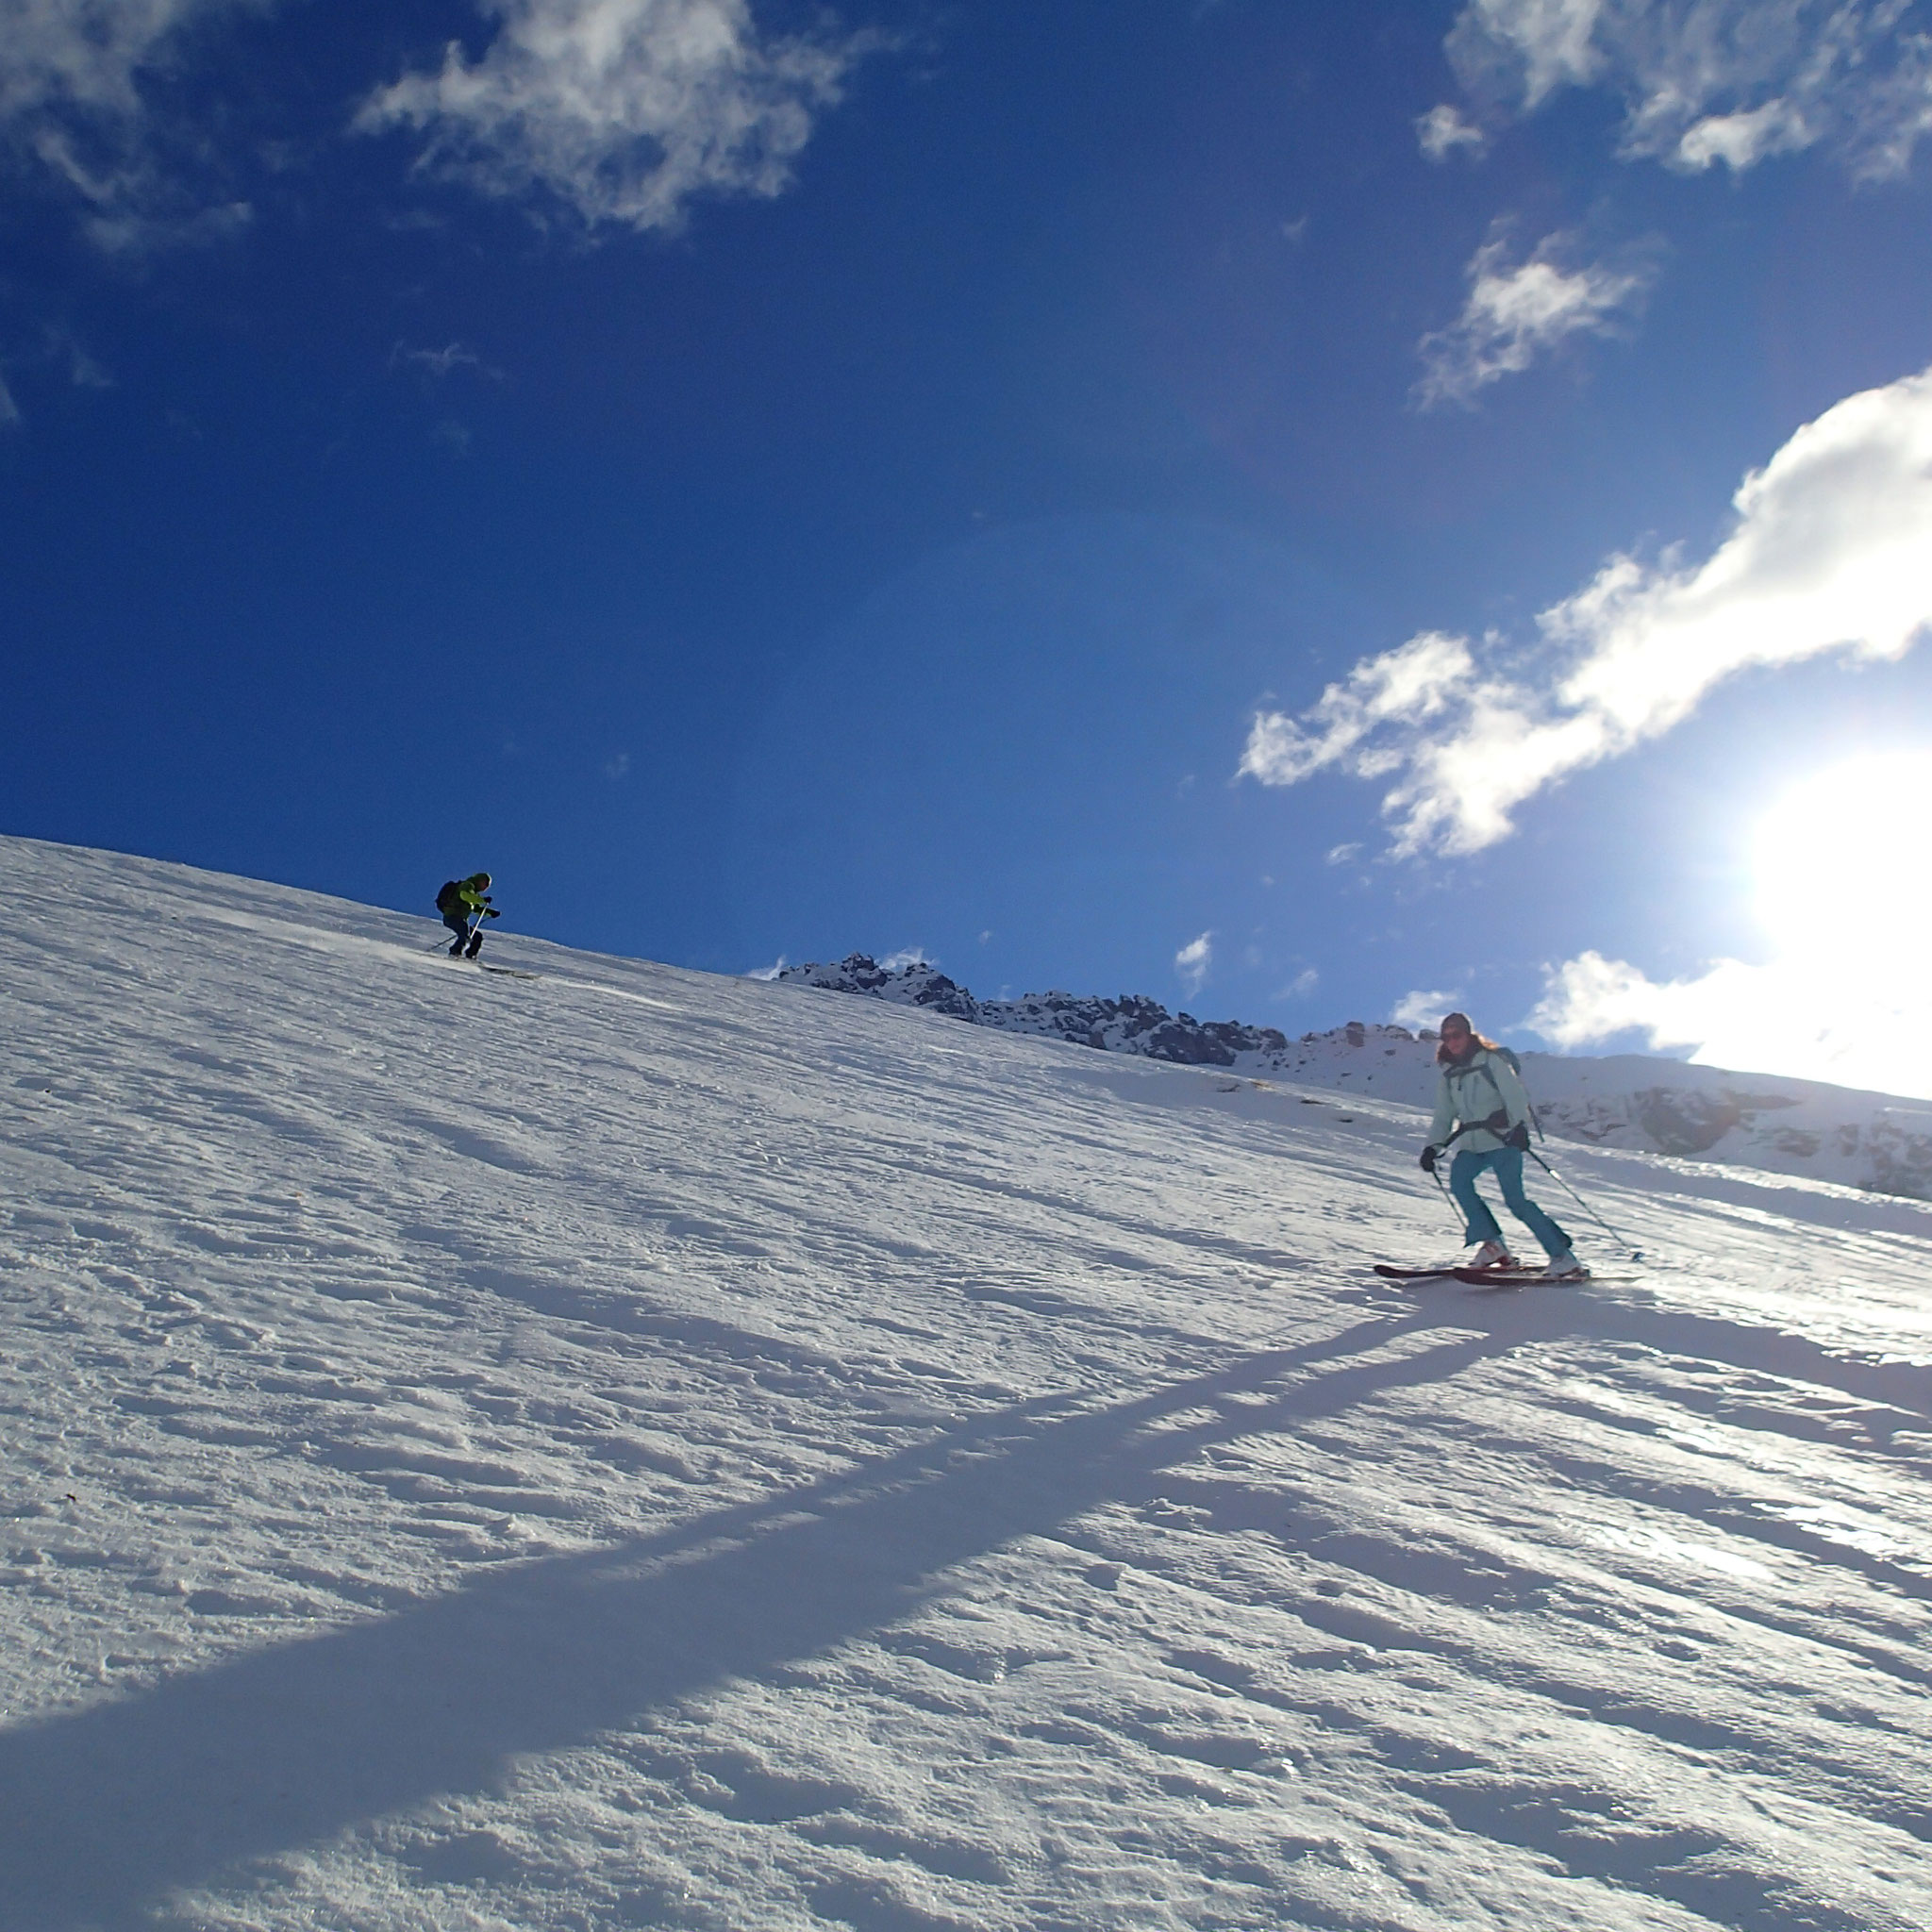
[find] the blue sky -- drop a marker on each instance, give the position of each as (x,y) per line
(767,482)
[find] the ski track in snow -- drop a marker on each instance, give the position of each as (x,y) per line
(631,1447)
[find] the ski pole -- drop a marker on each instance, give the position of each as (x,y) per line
(1448,1199)
(1636,1253)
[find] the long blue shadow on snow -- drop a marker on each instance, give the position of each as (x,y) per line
(102,1813)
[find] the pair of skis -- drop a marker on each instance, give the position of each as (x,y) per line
(1496,1275)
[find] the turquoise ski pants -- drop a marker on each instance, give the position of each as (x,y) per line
(1506,1164)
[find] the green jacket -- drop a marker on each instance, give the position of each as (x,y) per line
(1477,1089)
(463,896)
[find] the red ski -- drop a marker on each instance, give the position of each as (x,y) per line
(1518,1278)
(1448,1271)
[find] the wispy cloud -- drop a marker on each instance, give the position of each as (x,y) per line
(78,79)
(1708,82)
(623,111)
(905,957)
(771,972)
(58,348)
(1424,1007)
(1443,130)
(1194,961)
(1515,314)
(1527,48)
(1828,554)
(445,362)
(83,372)
(88,54)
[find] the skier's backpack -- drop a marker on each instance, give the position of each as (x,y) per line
(1513,1061)
(449,900)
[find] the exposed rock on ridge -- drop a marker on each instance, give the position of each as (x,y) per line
(1132,1024)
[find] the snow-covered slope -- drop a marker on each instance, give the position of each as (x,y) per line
(1875,1141)
(630,1448)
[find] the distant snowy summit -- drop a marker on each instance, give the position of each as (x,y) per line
(1129,1025)
(1871,1140)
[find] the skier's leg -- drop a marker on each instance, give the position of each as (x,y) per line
(461,928)
(1480,1222)
(1508,1164)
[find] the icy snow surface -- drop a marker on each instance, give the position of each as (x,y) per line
(631,1448)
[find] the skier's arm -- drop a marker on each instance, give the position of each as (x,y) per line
(1445,1113)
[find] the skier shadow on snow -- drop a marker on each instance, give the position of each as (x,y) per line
(105,1811)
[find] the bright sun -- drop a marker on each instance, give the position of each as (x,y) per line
(1843,867)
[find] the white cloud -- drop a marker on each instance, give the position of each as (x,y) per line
(75,82)
(1740,140)
(1806,1018)
(1704,81)
(1530,46)
(1194,962)
(907,955)
(87,54)
(1515,314)
(1443,129)
(1304,983)
(771,972)
(624,110)
(1828,555)
(1424,1007)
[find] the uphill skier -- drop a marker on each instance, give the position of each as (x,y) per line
(1482,1109)
(465,905)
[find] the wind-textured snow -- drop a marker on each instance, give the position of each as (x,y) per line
(627,1447)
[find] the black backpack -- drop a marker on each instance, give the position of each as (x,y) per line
(1509,1056)
(449,900)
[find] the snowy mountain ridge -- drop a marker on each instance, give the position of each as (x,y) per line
(1877,1141)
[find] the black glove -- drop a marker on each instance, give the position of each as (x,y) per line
(1518,1138)
(490,913)
(1427,1162)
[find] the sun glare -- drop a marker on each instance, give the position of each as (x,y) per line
(1842,865)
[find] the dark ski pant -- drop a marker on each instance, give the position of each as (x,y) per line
(1506,1164)
(458,922)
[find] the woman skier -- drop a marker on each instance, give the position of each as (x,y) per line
(1480,1105)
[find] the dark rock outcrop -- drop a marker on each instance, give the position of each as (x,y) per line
(1132,1024)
